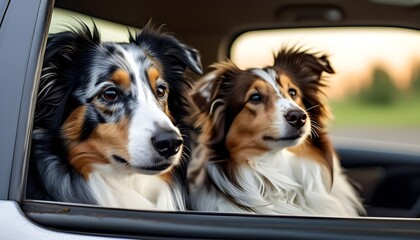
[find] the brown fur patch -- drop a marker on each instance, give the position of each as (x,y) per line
(153,75)
(249,125)
(82,156)
(122,79)
(168,113)
(72,127)
(167,176)
(286,84)
(106,140)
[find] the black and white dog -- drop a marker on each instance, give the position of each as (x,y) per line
(105,121)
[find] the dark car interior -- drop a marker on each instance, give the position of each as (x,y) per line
(388,180)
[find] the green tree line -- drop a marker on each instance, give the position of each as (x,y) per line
(383,91)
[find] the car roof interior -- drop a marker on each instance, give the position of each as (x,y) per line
(210,26)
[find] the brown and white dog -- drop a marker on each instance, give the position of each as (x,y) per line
(105,129)
(262,143)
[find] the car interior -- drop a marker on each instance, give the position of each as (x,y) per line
(381,159)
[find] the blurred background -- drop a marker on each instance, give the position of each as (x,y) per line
(375,92)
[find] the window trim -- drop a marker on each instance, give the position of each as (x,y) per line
(38,29)
(3,8)
(130,223)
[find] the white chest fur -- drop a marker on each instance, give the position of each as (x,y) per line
(131,190)
(277,183)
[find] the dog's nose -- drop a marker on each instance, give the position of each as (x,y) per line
(296,118)
(167,143)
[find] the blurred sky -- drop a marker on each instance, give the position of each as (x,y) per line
(353,52)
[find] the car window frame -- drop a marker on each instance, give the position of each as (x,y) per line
(41,21)
(22,39)
(3,7)
(133,223)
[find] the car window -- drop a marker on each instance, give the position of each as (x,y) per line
(388,181)
(374,93)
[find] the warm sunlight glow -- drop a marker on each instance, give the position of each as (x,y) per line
(354,52)
(62,19)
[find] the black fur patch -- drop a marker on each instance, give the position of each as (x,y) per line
(50,175)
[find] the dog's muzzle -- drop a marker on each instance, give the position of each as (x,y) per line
(296,118)
(167,143)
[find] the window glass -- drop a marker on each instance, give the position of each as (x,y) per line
(375,91)
(110,31)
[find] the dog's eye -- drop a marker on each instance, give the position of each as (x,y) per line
(255,98)
(110,94)
(161,91)
(292,92)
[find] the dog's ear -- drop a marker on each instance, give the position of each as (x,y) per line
(54,88)
(303,61)
(189,56)
(317,64)
(323,60)
(167,49)
(206,90)
(206,93)
(210,100)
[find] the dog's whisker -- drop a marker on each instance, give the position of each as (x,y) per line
(186,148)
(185,159)
(318,128)
(315,133)
(314,127)
(315,106)
(186,136)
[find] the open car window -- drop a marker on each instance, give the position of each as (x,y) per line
(376,80)
(376,134)
(374,95)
